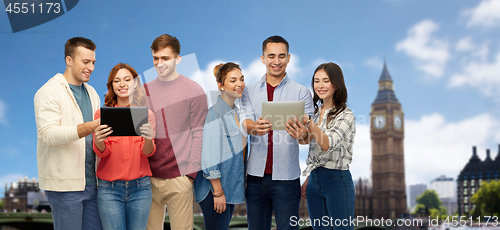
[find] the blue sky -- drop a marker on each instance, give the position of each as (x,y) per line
(444,59)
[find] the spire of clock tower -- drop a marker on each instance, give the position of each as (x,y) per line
(385,88)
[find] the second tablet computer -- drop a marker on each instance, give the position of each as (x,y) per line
(279,112)
(125,121)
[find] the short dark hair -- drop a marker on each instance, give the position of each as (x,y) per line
(275,39)
(73,43)
(164,41)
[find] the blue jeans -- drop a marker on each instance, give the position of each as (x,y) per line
(211,219)
(124,204)
(330,193)
(74,210)
(263,195)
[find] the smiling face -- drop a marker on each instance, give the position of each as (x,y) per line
(276,59)
(80,65)
(165,62)
(323,86)
(123,84)
(234,84)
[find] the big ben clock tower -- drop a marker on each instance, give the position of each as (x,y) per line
(387,135)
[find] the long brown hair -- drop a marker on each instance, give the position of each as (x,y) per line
(110,98)
(339,97)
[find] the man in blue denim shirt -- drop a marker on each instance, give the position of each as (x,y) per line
(273,164)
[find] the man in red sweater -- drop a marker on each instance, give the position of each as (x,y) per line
(180,106)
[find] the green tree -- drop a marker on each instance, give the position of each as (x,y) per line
(1,204)
(430,199)
(487,199)
(419,210)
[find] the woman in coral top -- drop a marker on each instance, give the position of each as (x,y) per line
(124,188)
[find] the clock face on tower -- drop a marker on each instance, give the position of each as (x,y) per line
(379,122)
(397,122)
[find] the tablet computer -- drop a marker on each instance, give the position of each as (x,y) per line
(279,112)
(125,121)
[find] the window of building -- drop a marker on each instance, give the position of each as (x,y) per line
(465,183)
(466,208)
(472,191)
(472,182)
(480,181)
(465,191)
(466,200)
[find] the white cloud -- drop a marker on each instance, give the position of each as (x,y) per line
(435,147)
(209,81)
(465,44)
(483,52)
(293,70)
(486,14)
(374,62)
(3,108)
(429,53)
(362,151)
(254,71)
(481,74)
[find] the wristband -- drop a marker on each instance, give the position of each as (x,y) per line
(220,194)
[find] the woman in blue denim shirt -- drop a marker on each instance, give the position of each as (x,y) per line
(221,182)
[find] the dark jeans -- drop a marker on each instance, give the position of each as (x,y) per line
(263,195)
(330,193)
(211,219)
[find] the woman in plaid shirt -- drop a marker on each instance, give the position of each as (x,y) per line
(328,189)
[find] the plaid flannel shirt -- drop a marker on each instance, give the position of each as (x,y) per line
(341,131)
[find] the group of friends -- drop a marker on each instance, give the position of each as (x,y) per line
(219,156)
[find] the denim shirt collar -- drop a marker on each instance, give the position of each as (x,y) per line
(223,108)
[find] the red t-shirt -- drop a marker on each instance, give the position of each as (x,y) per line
(269,162)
